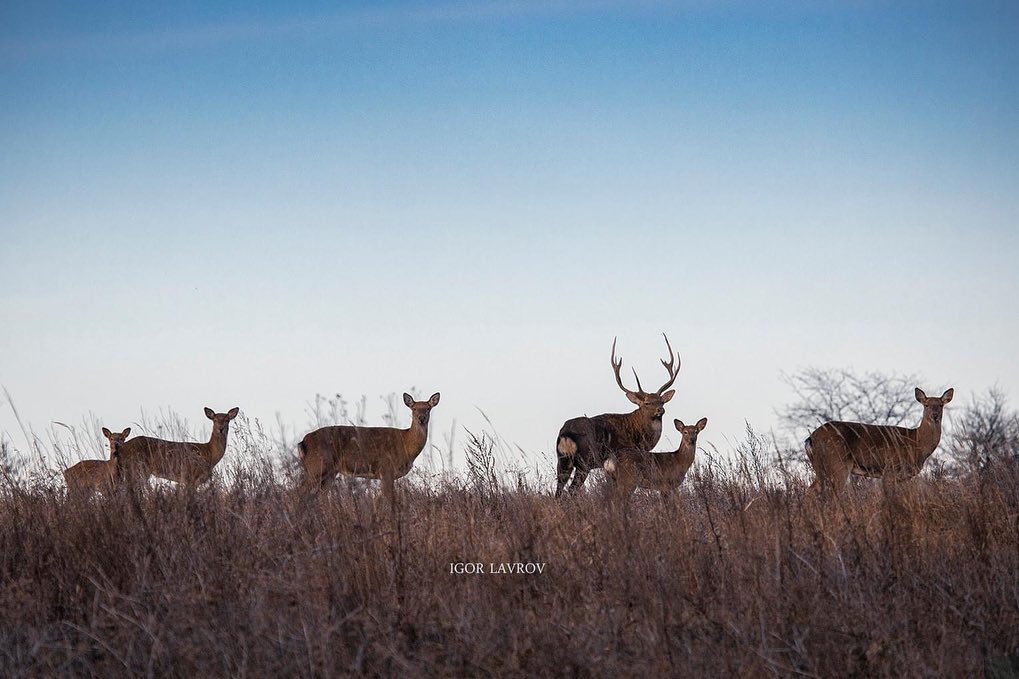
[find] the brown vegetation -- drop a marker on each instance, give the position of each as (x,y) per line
(250,578)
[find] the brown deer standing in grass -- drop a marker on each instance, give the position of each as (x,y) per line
(185,462)
(384,453)
(88,476)
(584,443)
(892,454)
(631,468)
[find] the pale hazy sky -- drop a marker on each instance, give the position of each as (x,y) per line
(232,204)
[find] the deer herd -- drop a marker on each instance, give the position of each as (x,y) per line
(619,443)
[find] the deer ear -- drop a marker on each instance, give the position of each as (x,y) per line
(634,399)
(408,400)
(107,433)
(920,396)
(679,424)
(667,396)
(947,396)
(434,400)
(126,432)
(209,413)
(232,413)
(701,423)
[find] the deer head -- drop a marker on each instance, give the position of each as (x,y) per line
(652,403)
(221,421)
(689,433)
(116,440)
(420,410)
(934,408)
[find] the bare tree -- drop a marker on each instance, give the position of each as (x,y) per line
(839,394)
(842,395)
(986,432)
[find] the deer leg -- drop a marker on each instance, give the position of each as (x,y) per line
(840,477)
(622,498)
(578,479)
(613,490)
(623,493)
(326,479)
(79,492)
(831,472)
(814,489)
(135,479)
(830,484)
(389,490)
(617,490)
(317,476)
(609,490)
(564,468)
(820,487)
(890,490)
(900,492)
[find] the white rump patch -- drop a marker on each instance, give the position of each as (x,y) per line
(566,446)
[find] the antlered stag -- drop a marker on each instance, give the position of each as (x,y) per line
(584,443)
(838,449)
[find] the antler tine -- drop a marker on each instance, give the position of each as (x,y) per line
(671,365)
(616,365)
(639,388)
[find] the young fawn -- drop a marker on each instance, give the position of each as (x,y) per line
(181,461)
(632,468)
(88,476)
(384,453)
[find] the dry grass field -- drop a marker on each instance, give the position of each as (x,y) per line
(251,578)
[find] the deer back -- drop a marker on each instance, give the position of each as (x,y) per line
(653,471)
(870,449)
(631,430)
(90,475)
(180,461)
(365,451)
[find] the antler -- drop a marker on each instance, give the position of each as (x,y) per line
(639,388)
(616,365)
(673,357)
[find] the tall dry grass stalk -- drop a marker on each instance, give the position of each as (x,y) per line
(247,577)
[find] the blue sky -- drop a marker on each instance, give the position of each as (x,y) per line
(237,204)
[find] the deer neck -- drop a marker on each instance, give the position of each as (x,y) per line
(414,438)
(928,436)
(215,449)
(686,451)
(645,428)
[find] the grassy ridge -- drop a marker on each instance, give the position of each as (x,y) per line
(255,579)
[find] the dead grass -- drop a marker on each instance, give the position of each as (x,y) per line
(254,579)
